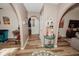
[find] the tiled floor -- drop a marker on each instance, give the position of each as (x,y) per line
(34,44)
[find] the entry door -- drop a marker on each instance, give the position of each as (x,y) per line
(35,25)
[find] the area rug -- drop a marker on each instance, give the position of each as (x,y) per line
(43,53)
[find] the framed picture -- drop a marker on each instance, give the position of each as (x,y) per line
(6,20)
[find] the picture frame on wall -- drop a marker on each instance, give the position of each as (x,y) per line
(6,20)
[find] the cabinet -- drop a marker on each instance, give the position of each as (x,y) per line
(3,35)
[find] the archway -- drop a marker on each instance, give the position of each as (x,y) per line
(21,13)
(64,25)
(34,29)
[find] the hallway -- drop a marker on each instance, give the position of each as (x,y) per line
(34,42)
(44,22)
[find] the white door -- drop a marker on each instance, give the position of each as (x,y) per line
(35,25)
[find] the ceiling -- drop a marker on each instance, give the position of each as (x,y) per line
(3,6)
(33,7)
(36,7)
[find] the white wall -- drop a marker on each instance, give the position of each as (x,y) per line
(71,15)
(35,25)
(61,9)
(8,12)
(41,26)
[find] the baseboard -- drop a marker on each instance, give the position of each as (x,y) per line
(22,48)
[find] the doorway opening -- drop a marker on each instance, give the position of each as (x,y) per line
(34,40)
(68,27)
(33,24)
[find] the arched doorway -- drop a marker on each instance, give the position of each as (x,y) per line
(70,16)
(22,14)
(34,26)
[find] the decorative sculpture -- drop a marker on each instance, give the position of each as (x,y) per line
(49,35)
